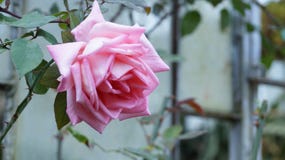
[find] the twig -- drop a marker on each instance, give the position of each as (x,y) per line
(59,137)
(117,14)
(153,28)
(19,17)
(131,17)
(268,13)
(10,13)
(147,138)
(24,102)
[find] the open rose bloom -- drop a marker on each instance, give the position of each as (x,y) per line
(108,72)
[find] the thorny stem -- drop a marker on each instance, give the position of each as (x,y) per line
(24,102)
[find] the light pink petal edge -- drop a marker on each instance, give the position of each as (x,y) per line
(82,30)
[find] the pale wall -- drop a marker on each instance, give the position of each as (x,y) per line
(36,127)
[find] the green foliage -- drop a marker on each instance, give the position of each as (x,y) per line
(61,117)
(170,136)
(172,132)
(141,153)
(225,19)
(67,36)
(215,2)
(29,20)
(190,22)
(157,8)
(190,1)
(250,27)
(31,77)
(79,137)
(6,20)
(240,6)
(26,55)
(47,36)
(49,79)
(258,136)
(75,17)
(54,8)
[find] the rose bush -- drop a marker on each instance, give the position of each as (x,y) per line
(108,72)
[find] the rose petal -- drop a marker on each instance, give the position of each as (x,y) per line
(71,105)
(82,30)
(141,109)
(100,64)
(152,58)
(119,69)
(89,84)
(64,55)
(112,30)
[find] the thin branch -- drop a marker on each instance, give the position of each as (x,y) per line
(24,102)
(19,17)
(154,27)
(147,137)
(10,13)
(268,13)
(131,17)
(232,117)
(117,14)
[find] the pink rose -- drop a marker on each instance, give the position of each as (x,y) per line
(108,72)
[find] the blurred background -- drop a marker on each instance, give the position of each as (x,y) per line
(227,55)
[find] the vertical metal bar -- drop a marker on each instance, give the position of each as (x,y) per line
(246,56)
(175,39)
(235,131)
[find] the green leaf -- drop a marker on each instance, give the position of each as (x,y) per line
(6,20)
(139,5)
(32,20)
(54,8)
(191,135)
(267,59)
(49,79)
(31,77)
(75,18)
(141,153)
(190,22)
(26,55)
(47,36)
(1,1)
(79,137)
(250,27)
(61,117)
(225,19)
(157,8)
(28,34)
(240,6)
(149,119)
(67,36)
(172,132)
(190,1)
(215,2)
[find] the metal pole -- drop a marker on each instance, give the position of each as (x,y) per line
(175,40)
